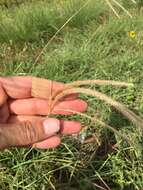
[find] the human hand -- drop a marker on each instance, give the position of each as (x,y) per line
(21,115)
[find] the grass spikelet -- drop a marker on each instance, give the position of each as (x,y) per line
(70,89)
(99,82)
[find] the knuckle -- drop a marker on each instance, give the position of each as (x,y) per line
(3,140)
(30,132)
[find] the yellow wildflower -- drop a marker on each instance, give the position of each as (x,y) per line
(132,34)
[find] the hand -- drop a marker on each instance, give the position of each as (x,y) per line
(22,121)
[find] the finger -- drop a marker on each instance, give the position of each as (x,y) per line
(4,113)
(43,88)
(70,127)
(34,106)
(66,127)
(17,87)
(70,97)
(25,133)
(62,108)
(3,95)
(21,87)
(51,142)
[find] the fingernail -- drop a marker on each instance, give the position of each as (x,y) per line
(51,126)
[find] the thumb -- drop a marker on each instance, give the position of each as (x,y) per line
(26,133)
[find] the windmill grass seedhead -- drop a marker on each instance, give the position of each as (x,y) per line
(39,91)
(74,87)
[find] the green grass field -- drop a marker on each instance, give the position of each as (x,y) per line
(68,40)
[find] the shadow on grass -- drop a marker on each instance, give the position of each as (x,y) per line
(108,139)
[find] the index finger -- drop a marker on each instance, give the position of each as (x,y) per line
(18,87)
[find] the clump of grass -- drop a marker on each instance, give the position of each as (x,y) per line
(92,11)
(11,3)
(28,23)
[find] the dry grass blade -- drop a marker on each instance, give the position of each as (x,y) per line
(98,82)
(134,1)
(95,120)
(111,6)
(98,186)
(120,107)
(57,32)
(125,10)
(107,187)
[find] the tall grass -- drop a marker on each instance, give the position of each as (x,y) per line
(31,22)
